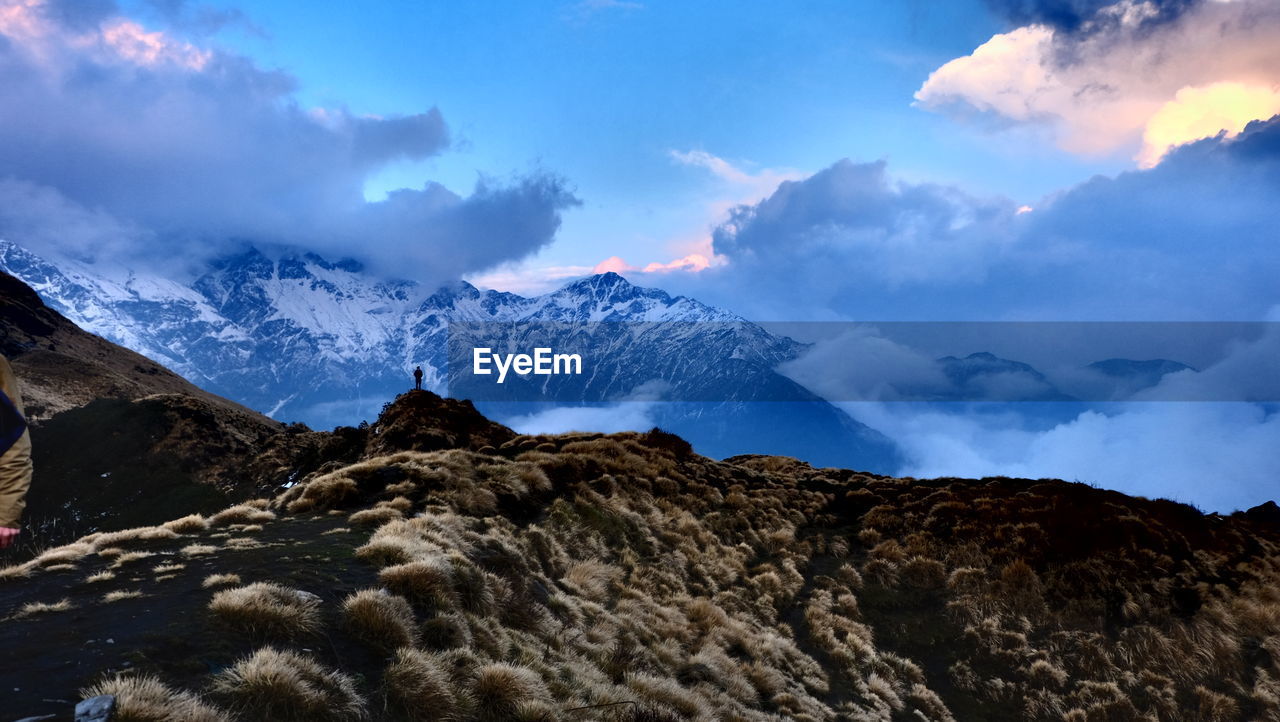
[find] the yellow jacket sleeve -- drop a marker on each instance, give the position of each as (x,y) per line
(15,464)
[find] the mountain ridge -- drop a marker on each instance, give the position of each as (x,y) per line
(535,577)
(301,338)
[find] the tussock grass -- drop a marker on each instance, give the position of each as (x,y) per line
(242,542)
(34,608)
(147,699)
(554,572)
(427,583)
(133,536)
(59,556)
(381,619)
(418,686)
(197,550)
(320,494)
(130,557)
(499,690)
(402,504)
(220,580)
(447,631)
(282,685)
(15,571)
(191,524)
(242,514)
(374,517)
(121,594)
(268,609)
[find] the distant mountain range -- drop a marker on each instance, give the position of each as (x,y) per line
(301,338)
(305,339)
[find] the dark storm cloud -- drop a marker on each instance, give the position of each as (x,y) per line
(1070,16)
(502,221)
(815,240)
(198,150)
(1191,239)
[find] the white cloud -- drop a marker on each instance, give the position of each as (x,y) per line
(1103,89)
(749,186)
(1219,456)
(195,150)
(527,279)
(625,416)
(1203,112)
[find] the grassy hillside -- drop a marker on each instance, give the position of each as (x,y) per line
(623,577)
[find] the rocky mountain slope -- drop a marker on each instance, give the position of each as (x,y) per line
(624,577)
(63,366)
(118,439)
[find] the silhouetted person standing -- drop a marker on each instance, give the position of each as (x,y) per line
(15,456)
(417,379)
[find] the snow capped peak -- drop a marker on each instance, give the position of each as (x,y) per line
(601,283)
(278,330)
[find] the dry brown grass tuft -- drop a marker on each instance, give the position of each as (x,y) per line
(447,631)
(381,619)
(131,536)
(282,685)
(242,514)
(197,550)
(188,524)
(418,687)
(33,608)
(321,493)
(242,542)
(15,571)
(403,504)
(121,594)
(922,573)
(147,699)
(500,689)
(220,580)
(374,517)
(68,554)
(427,583)
(269,609)
(130,557)
(105,575)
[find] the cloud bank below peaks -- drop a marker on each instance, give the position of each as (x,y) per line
(176,148)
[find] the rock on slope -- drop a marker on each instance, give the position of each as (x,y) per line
(623,577)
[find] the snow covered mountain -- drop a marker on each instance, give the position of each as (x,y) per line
(305,339)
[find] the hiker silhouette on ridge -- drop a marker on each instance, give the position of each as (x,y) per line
(417,379)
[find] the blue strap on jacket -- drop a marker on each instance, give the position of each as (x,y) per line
(12,423)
